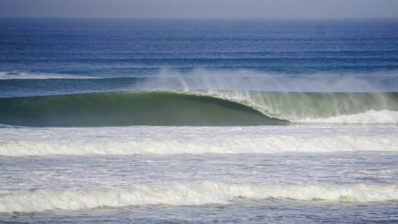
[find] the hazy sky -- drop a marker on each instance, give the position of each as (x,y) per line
(201,8)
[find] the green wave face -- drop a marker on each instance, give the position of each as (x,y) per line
(295,106)
(130,108)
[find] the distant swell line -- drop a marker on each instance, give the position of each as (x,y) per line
(196,193)
(40,76)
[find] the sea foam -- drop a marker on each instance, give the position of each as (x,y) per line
(196,193)
(368,117)
(219,145)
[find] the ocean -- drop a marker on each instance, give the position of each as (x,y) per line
(198,121)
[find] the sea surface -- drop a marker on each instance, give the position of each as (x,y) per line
(198,121)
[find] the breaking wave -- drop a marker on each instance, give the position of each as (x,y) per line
(128,108)
(199,108)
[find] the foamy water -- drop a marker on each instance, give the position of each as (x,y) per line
(368,117)
(188,194)
(188,166)
(196,141)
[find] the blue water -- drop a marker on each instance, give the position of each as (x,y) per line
(128,47)
(333,82)
(135,48)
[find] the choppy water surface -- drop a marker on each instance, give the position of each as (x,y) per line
(188,174)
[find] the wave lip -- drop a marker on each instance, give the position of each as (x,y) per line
(196,193)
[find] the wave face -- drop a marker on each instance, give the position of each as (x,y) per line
(196,193)
(321,107)
(129,108)
(199,108)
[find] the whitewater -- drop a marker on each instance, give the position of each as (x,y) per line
(143,140)
(187,194)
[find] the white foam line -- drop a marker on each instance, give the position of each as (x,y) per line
(25,75)
(221,145)
(196,193)
(369,117)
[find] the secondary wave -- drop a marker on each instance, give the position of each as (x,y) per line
(196,193)
(40,76)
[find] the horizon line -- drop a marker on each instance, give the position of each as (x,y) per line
(200,18)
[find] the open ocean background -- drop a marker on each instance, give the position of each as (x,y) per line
(198,121)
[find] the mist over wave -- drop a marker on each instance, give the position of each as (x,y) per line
(251,80)
(16,84)
(361,98)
